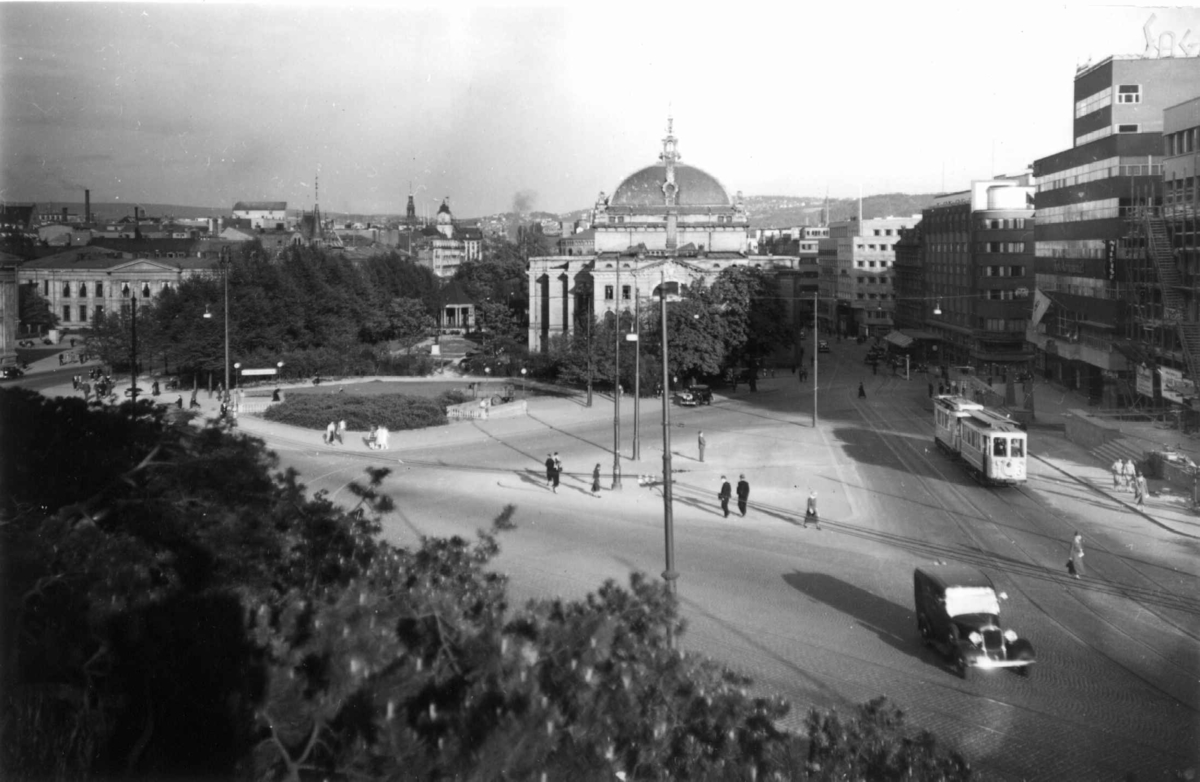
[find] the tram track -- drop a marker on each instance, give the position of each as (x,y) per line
(1031,560)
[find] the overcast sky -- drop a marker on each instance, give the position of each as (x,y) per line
(208,104)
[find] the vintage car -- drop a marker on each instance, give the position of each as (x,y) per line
(10,372)
(958,613)
(823,346)
(696,395)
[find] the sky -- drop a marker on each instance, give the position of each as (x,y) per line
(541,105)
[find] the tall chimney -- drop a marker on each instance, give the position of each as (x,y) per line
(64,214)
(87,206)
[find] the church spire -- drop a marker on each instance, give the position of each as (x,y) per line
(669,156)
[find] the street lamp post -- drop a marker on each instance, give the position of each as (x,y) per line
(816,345)
(670,574)
(133,371)
(637,378)
(591,317)
(524,392)
(616,475)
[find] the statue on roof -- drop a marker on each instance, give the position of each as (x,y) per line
(601,205)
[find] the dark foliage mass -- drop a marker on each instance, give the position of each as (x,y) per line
(175,607)
(393,411)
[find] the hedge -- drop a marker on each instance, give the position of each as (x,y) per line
(394,411)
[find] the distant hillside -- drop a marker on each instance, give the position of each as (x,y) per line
(789,211)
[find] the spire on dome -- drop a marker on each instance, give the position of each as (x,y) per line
(669,155)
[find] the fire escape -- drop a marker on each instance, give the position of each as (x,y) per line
(1158,298)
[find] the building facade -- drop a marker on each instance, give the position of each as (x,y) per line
(664,223)
(445,246)
(977,261)
(270,215)
(856,262)
(1091,200)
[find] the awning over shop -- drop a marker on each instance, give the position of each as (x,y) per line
(921,335)
(898,339)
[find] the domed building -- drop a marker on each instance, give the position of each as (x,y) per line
(666,222)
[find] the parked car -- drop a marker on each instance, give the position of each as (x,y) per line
(11,372)
(958,613)
(823,346)
(696,395)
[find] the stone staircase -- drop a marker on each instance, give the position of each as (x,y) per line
(1158,247)
(1120,448)
(455,347)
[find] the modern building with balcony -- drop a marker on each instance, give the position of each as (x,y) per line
(856,274)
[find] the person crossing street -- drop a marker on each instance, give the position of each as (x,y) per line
(743,494)
(724,495)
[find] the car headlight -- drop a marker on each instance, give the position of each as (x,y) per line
(1010,636)
(975,638)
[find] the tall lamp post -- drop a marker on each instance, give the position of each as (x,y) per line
(225,260)
(524,393)
(616,475)
(816,344)
(133,371)
(635,337)
(591,317)
(670,574)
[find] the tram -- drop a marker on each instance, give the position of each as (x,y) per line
(993,447)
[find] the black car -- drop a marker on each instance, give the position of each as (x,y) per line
(958,613)
(823,346)
(696,395)
(11,372)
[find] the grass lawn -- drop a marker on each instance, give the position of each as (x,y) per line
(425,388)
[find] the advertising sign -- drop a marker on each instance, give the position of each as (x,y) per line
(1145,381)
(1174,387)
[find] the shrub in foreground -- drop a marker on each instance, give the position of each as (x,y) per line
(394,411)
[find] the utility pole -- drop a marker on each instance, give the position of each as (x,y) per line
(637,377)
(616,474)
(815,346)
(133,387)
(670,573)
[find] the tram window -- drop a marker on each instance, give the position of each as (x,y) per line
(1018,447)
(1001,447)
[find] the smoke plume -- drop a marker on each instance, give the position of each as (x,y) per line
(523,201)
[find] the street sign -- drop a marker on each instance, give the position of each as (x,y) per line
(268,371)
(631,337)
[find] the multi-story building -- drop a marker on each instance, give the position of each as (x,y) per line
(857,274)
(271,215)
(445,246)
(1089,199)
(908,280)
(81,282)
(977,261)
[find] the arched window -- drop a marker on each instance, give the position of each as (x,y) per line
(125,289)
(145,290)
(83,292)
(66,290)
(99,289)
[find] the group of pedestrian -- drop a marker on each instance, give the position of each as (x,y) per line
(376,440)
(554,472)
(726,493)
(1127,477)
(335,432)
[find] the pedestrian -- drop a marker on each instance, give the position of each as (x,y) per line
(275,396)
(341,432)
(1117,468)
(193,403)
(743,494)
(224,409)
(1140,488)
(862,392)
(596,480)
(620,389)
(1127,474)
(810,512)
(179,402)
(330,432)
(371,439)
(86,388)
(154,388)
(701,443)
(557,473)
(1075,558)
(724,495)
(931,390)
(549,469)
(60,359)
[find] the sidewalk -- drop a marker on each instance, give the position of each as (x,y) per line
(1170,512)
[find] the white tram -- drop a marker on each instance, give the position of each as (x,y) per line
(993,446)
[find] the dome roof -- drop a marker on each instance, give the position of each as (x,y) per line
(644,188)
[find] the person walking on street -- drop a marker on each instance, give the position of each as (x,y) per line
(700,441)
(341,432)
(724,495)
(862,392)
(743,494)
(1127,474)
(1075,562)
(330,433)
(179,402)
(549,469)
(810,512)
(1117,468)
(1140,489)
(596,480)
(193,403)
(557,472)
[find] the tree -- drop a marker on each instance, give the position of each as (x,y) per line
(753,317)
(500,328)
(408,322)
(35,314)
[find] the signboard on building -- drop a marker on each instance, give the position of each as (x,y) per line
(1174,386)
(1145,381)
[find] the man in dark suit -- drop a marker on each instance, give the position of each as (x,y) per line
(743,494)
(724,495)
